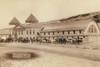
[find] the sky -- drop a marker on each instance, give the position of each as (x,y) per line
(44,10)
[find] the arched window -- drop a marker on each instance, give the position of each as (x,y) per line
(92,29)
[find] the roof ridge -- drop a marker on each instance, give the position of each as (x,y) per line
(31,19)
(14,21)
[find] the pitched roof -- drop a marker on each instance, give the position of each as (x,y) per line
(40,24)
(35,25)
(67,25)
(20,26)
(14,21)
(31,19)
(60,26)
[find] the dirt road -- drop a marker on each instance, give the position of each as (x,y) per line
(49,56)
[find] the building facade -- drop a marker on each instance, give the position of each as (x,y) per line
(5,33)
(88,30)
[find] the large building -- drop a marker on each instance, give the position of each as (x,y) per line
(5,33)
(84,26)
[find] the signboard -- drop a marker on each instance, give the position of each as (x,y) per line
(21,55)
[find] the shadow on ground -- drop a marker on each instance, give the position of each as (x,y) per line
(33,56)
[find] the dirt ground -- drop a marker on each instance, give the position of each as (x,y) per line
(52,55)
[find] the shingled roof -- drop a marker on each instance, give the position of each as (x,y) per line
(60,26)
(14,21)
(67,25)
(31,19)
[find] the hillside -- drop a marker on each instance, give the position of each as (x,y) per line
(93,15)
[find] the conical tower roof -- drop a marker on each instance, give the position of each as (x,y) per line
(14,21)
(31,19)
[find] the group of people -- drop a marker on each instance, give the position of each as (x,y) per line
(6,40)
(56,41)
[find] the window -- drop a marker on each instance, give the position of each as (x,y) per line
(27,38)
(68,32)
(21,32)
(80,31)
(30,31)
(53,37)
(53,33)
(83,36)
(63,32)
(73,31)
(92,29)
(27,32)
(48,33)
(33,31)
